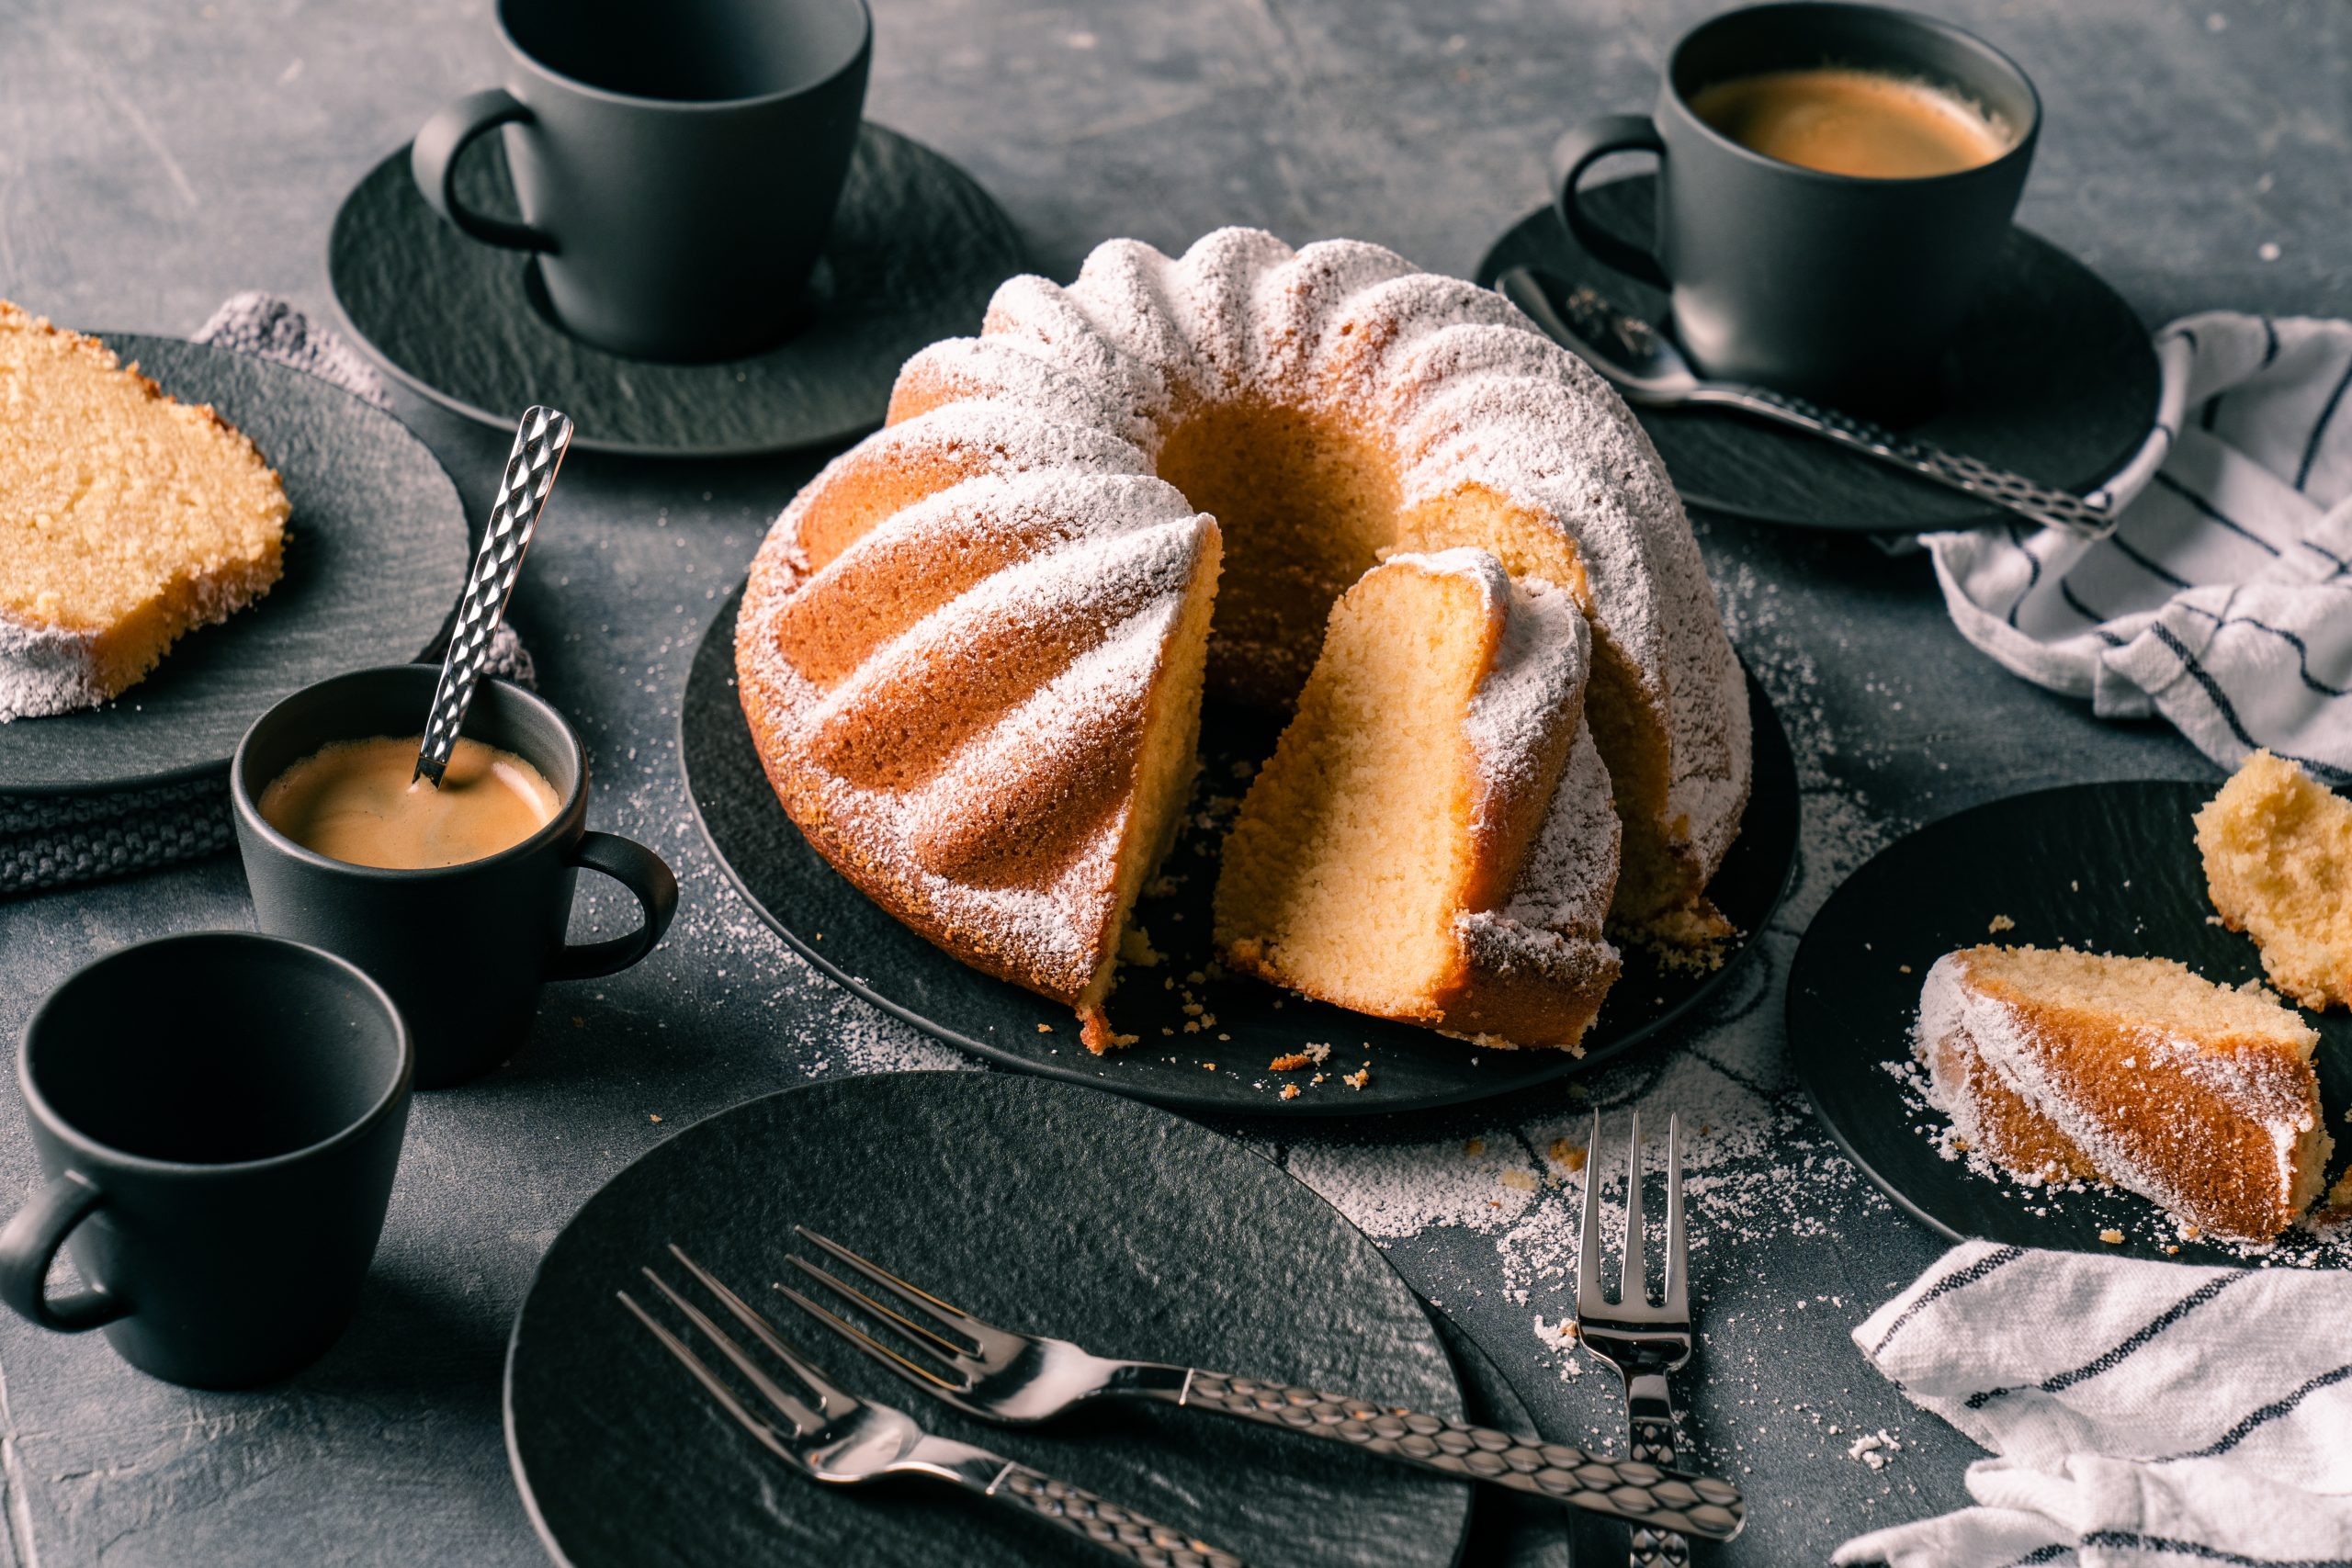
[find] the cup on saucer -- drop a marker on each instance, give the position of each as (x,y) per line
(461,929)
(218,1117)
(677,162)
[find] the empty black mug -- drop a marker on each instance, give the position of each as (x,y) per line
(677,162)
(463,949)
(218,1117)
(1835,287)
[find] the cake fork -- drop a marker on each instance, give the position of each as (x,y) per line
(1641,1341)
(844,1440)
(1019,1379)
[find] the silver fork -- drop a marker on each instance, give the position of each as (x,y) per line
(1020,1379)
(844,1441)
(1642,1342)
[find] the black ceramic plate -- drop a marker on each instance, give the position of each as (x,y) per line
(1034,1204)
(2110,867)
(375,556)
(917,248)
(2052,377)
(851,938)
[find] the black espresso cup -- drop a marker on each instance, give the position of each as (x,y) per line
(218,1117)
(677,162)
(1831,285)
(463,949)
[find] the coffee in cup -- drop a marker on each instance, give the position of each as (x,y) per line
(1803,239)
(361,801)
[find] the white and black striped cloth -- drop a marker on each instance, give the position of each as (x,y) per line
(2223,599)
(2140,1413)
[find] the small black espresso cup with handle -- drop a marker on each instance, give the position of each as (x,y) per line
(218,1117)
(1835,287)
(677,162)
(463,949)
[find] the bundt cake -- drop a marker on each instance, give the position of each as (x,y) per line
(126,520)
(2061,1066)
(972,647)
(2277,849)
(1409,851)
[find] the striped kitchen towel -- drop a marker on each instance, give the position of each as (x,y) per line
(2223,599)
(2141,1413)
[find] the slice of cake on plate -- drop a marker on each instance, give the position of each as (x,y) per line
(2061,1066)
(126,520)
(2277,849)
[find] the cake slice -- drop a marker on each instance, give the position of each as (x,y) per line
(2064,1066)
(1409,851)
(126,520)
(2277,849)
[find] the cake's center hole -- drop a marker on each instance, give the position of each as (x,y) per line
(1304,506)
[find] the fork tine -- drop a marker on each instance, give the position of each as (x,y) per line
(1678,1258)
(906,1366)
(709,1378)
(1589,1301)
(922,1300)
(1633,1272)
(944,1346)
(804,1420)
(832,1402)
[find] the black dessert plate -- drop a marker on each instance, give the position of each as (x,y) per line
(1037,1205)
(1216,1067)
(2108,867)
(2052,377)
(375,555)
(916,250)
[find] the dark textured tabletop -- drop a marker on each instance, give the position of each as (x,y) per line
(154,160)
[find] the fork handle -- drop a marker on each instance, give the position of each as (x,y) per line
(1117,1529)
(1639,1491)
(1649,1416)
(1954,470)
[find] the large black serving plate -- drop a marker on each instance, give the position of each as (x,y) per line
(2108,867)
(1037,1205)
(375,555)
(2052,376)
(849,937)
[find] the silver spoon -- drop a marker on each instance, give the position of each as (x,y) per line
(1642,362)
(539,445)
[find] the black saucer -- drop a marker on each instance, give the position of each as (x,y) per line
(853,940)
(2052,377)
(2110,867)
(917,248)
(375,555)
(1044,1208)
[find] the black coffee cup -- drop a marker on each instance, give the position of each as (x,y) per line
(463,949)
(677,162)
(218,1117)
(1830,285)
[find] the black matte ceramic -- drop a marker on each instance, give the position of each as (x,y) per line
(375,555)
(678,161)
(1038,1206)
(1837,287)
(1221,1067)
(2052,376)
(218,1117)
(463,949)
(2108,867)
(916,250)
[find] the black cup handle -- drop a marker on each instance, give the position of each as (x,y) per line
(644,874)
(432,160)
(1579,151)
(29,1246)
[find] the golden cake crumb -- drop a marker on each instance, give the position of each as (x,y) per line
(2000,923)
(1358,1078)
(2278,851)
(1290,1091)
(2112,1238)
(1567,1156)
(1291,1062)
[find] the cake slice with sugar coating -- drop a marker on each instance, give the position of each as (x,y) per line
(1433,840)
(2064,1066)
(2277,849)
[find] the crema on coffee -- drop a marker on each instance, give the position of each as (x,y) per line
(357,801)
(1845,120)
